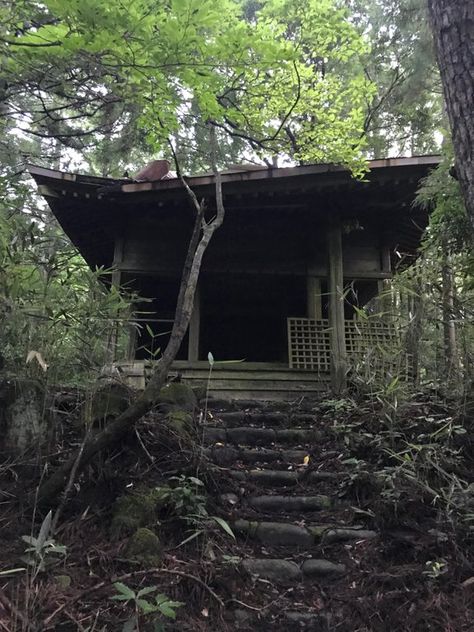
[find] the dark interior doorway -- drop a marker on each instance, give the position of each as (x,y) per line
(154,315)
(243,317)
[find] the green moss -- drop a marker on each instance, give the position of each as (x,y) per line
(181,421)
(177,395)
(109,399)
(137,509)
(145,547)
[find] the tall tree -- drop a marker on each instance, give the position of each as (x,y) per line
(406,112)
(83,68)
(452,23)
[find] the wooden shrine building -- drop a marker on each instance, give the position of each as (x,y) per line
(300,250)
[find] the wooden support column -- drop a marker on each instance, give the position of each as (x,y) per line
(314,304)
(194,329)
(336,306)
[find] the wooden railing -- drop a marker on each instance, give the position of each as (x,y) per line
(373,342)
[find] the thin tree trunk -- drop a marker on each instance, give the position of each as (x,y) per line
(451,357)
(452,23)
(115,431)
(415,309)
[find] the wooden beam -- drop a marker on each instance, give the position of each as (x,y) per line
(336,306)
(194,329)
(314,303)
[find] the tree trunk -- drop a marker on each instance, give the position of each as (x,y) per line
(452,23)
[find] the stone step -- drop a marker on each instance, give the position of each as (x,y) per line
(270,419)
(227,455)
(237,419)
(290,620)
(289,503)
(285,572)
(285,478)
(278,503)
(287,534)
(247,436)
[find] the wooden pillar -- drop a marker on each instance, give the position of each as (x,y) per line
(314,305)
(194,329)
(336,306)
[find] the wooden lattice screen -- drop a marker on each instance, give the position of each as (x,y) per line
(309,345)
(372,341)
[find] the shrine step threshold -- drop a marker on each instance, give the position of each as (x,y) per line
(239,380)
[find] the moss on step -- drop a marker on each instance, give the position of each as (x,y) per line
(136,509)
(145,547)
(177,395)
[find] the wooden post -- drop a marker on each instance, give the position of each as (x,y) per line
(336,306)
(194,329)
(314,306)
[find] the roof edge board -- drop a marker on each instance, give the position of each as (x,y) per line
(128,186)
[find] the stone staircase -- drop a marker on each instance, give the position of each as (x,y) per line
(298,539)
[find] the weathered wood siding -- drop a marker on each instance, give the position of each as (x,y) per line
(249,242)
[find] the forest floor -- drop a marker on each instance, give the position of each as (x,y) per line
(408,475)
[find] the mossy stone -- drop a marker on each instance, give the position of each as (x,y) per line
(145,547)
(177,395)
(181,421)
(109,399)
(136,509)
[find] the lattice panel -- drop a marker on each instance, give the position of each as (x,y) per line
(373,346)
(308,344)
(373,341)
(366,335)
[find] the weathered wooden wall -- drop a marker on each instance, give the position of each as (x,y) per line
(280,243)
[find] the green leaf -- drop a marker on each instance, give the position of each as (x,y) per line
(196,481)
(145,606)
(124,590)
(167,610)
(224,525)
(146,591)
(45,529)
(192,537)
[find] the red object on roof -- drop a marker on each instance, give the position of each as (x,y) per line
(155,170)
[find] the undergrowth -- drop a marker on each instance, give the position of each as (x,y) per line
(410,457)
